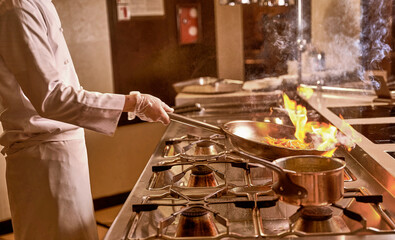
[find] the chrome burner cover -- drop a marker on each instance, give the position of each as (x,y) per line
(196,222)
(203,149)
(319,220)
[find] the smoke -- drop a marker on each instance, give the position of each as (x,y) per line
(376,19)
(279,40)
(351,35)
(336,32)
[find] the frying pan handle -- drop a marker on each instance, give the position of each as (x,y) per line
(194,123)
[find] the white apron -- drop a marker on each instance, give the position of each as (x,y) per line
(49,191)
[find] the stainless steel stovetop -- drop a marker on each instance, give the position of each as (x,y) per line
(195,177)
(194,187)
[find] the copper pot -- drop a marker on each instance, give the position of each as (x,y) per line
(322,177)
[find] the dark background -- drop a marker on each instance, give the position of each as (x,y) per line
(148,57)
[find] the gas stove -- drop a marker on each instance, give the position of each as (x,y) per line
(195,187)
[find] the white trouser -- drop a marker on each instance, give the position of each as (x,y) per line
(49,192)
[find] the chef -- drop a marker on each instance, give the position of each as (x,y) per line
(43,112)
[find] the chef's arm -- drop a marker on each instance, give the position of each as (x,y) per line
(27,53)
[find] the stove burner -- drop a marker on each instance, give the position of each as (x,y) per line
(196,221)
(195,212)
(319,220)
(316,213)
(202,148)
(202,176)
(189,146)
(201,170)
(205,148)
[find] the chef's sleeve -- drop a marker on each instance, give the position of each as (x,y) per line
(27,53)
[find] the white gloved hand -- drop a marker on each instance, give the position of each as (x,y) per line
(150,108)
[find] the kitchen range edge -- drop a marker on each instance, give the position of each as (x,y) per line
(240,203)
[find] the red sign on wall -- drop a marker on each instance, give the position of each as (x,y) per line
(188,23)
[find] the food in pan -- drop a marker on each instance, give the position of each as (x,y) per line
(288,143)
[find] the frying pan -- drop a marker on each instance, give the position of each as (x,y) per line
(248,136)
(245,147)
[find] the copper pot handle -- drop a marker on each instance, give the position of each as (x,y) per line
(284,186)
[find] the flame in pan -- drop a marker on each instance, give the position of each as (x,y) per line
(329,153)
(348,136)
(314,135)
(321,136)
(298,116)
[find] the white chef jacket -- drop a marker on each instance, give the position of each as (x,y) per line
(43,108)
(40,94)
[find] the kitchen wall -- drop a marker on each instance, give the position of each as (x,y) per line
(229,35)
(86,32)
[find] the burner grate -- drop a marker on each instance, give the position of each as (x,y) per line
(202,184)
(251,212)
(224,169)
(195,147)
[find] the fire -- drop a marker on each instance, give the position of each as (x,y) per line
(305,92)
(348,136)
(298,116)
(288,143)
(322,135)
(312,135)
(329,153)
